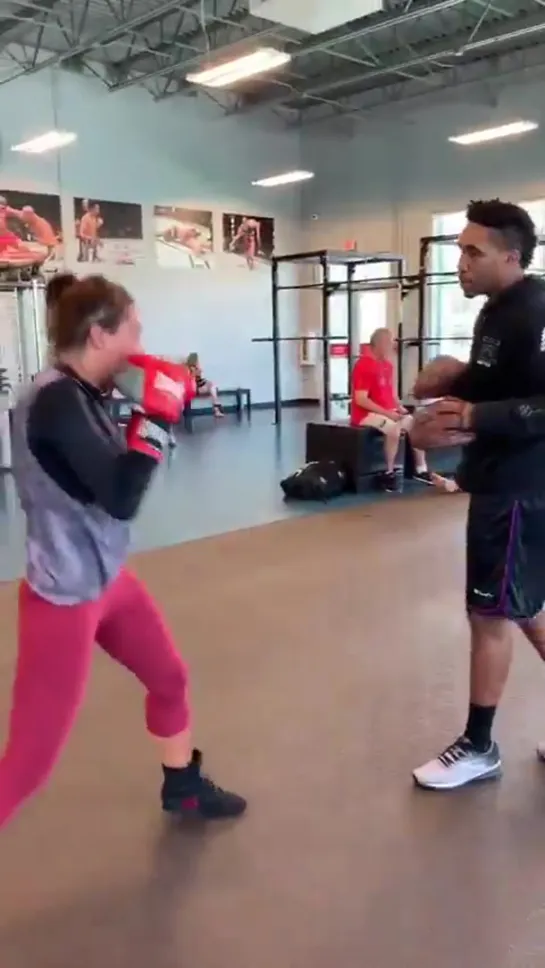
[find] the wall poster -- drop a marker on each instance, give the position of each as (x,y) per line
(184,237)
(249,239)
(108,232)
(30,231)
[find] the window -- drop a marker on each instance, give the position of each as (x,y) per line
(449,223)
(452,316)
(537,210)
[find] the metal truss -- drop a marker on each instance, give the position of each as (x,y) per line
(431,58)
(452,81)
(481,82)
(370,65)
(68,25)
(330,43)
(188,49)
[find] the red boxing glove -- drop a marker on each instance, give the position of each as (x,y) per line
(146,436)
(158,386)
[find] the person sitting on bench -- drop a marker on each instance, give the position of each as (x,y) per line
(203,386)
(375,404)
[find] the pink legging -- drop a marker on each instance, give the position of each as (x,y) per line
(56,644)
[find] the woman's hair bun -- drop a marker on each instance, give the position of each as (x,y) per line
(57,285)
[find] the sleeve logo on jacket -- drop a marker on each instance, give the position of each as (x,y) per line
(488,351)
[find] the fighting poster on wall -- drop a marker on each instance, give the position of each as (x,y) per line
(30,231)
(108,232)
(184,237)
(249,239)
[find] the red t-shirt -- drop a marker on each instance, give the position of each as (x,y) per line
(376,378)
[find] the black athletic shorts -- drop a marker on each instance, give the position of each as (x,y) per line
(505,565)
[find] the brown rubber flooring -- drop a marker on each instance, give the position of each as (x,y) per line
(329,658)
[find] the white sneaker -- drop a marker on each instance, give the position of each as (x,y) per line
(459,765)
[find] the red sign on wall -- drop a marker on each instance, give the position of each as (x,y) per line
(339,350)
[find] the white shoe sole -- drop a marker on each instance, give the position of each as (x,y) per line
(491,773)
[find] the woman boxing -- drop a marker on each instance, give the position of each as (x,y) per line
(79,484)
(203,387)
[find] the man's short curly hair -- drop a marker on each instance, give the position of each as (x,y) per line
(512,226)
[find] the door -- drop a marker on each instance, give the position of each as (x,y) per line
(338,327)
(370,313)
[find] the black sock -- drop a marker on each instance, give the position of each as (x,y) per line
(178,776)
(479,726)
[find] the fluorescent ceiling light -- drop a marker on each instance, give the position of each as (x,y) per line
(258,62)
(493,134)
(287,178)
(45,142)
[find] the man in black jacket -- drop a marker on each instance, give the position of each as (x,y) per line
(496,408)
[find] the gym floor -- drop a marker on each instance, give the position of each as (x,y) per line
(329,657)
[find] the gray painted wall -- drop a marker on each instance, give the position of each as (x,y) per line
(406,160)
(179,151)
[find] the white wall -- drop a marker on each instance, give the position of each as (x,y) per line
(391,170)
(382,184)
(180,151)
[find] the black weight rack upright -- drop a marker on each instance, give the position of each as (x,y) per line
(427,278)
(322,260)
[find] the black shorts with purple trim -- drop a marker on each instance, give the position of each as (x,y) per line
(505,556)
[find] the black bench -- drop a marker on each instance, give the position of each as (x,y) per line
(120,408)
(358,450)
(241,397)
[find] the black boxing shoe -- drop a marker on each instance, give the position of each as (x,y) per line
(188,792)
(391,483)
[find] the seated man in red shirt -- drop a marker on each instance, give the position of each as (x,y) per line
(375,404)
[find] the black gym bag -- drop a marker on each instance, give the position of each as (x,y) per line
(320,480)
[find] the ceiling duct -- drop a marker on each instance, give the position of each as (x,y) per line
(314,16)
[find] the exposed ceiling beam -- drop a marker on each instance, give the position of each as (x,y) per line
(452,50)
(25,13)
(192,60)
(374,24)
(102,39)
(188,63)
(481,81)
(213,24)
(367,27)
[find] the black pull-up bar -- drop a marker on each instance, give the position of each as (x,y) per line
(324,260)
(400,281)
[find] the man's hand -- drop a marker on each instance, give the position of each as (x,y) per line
(456,413)
(437,377)
(445,423)
(402,411)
